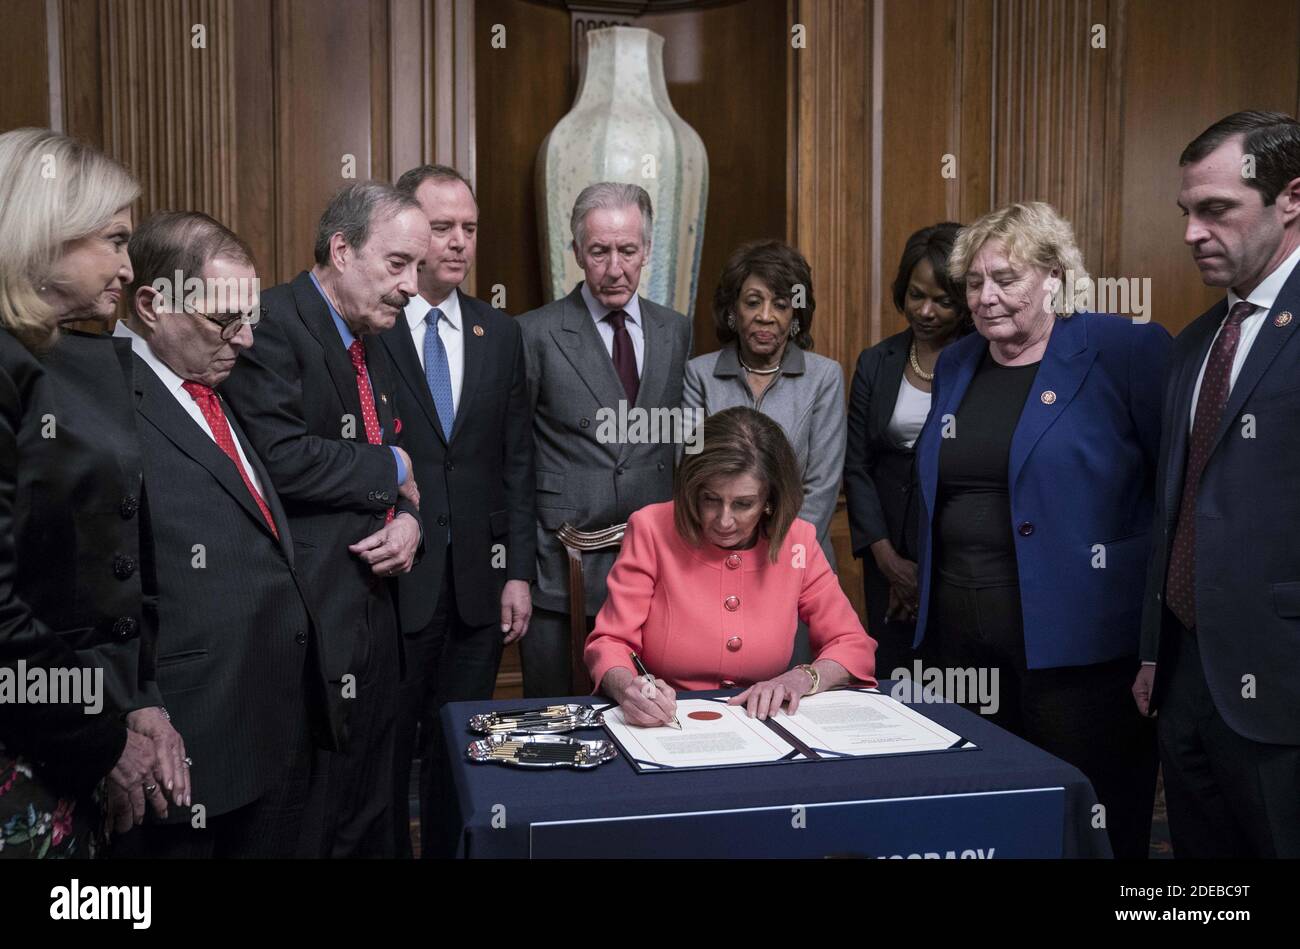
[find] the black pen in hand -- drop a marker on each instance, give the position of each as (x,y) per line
(650,681)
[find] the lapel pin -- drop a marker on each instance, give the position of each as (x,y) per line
(383,397)
(478,330)
(1282,319)
(1048,397)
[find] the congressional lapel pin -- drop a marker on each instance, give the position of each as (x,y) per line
(1048,397)
(1282,319)
(383,397)
(478,330)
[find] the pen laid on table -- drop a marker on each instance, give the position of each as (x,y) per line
(650,680)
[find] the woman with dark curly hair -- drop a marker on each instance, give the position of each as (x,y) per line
(763,313)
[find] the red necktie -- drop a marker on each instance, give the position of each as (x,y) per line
(210,406)
(624,355)
(368,417)
(1213,397)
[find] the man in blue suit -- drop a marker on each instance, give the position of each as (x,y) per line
(1221,627)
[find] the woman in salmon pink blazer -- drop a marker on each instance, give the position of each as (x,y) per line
(709,588)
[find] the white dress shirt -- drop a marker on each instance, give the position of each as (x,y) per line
(451,330)
(173,384)
(1263,297)
(632,308)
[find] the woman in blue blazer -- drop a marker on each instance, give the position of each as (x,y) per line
(1037,469)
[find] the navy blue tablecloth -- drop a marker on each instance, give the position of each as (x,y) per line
(495,805)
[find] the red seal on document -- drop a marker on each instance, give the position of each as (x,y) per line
(705,716)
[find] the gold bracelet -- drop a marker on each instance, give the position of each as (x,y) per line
(814,674)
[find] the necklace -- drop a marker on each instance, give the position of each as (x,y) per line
(757,372)
(916,365)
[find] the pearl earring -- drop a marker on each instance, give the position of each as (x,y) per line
(794,329)
(731,322)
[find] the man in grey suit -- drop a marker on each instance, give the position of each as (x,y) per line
(599,355)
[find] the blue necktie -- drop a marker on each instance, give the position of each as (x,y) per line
(437,372)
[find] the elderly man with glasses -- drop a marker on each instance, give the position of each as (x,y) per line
(238,660)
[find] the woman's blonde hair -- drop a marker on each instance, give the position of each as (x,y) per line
(53,190)
(1032,233)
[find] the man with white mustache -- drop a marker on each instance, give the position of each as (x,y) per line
(316,397)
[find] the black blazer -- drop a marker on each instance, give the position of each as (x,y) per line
(295,394)
(480,485)
(879,478)
(72,570)
(1247,579)
(235,631)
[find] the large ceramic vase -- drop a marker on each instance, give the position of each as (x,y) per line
(623,128)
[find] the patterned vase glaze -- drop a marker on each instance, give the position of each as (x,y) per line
(622,127)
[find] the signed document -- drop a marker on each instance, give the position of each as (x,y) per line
(846,723)
(864,723)
(712,735)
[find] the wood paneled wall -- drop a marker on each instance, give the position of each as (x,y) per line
(253,111)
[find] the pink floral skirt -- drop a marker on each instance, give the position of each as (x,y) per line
(35,822)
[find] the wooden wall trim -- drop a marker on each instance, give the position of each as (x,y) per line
(54,54)
(1113,174)
(875,284)
(835,132)
(169,107)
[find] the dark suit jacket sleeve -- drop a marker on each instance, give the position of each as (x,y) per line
(521,555)
(1148,365)
(1150,382)
(78,747)
(866,515)
(265,390)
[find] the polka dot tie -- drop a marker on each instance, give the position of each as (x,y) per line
(1215,387)
(368,416)
(210,406)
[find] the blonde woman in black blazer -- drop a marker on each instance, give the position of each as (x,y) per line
(74,569)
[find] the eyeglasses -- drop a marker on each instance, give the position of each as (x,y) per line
(229,323)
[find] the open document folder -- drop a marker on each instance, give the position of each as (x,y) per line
(846,723)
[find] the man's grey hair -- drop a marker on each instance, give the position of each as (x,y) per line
(351,211)
(608,195)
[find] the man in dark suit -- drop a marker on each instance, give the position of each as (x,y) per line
(238,663)
(460,372)
(599,354)
(1221,628)
(316,398)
